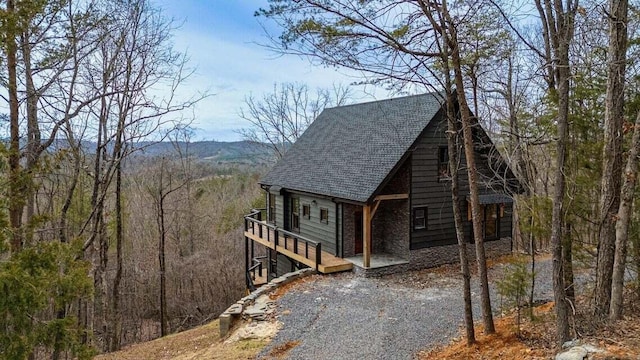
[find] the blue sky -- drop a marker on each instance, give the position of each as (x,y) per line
(221,38)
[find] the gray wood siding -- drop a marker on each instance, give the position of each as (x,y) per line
(339,235)
(427,190)
(279,210)
(315,230)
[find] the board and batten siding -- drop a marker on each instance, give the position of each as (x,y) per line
(427,190)
(279,208)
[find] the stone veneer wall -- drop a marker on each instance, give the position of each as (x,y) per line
(448,254)
(348,233)
(436,256)
(390,224)
(391,228)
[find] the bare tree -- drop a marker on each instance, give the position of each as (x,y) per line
(280,117)
(611,154)
(454,166)
(622,224)
(557,31)
(165,186)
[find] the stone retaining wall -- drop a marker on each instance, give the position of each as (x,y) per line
(235,311)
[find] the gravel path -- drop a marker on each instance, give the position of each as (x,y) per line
(349,317)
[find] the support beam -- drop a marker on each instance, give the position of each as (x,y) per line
(366,236)
(391,197)
(375,208)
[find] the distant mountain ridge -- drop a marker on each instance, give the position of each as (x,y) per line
(218,152)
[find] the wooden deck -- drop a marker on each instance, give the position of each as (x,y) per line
(304,254)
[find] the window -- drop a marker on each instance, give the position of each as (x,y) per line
(491,221)
(295,214)
(306,211)
(324,215)
(420,218)
(491,214)
(443,163)
(271,217)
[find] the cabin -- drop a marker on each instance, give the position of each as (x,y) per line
(367,188)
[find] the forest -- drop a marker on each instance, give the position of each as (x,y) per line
(104,242)
(115,227)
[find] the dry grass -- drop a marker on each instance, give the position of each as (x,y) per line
(200,343)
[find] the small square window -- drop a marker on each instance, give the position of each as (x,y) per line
(420,218)
(306,211)
(324,215)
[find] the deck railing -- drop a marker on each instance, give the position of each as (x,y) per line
(256,267)
(276,236)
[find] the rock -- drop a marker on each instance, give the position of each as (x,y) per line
(592,349)
(235,309)
(225,324)
(255,330)
(575,353)
(254,312)
(571,343)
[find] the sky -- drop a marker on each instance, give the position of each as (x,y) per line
(222,39)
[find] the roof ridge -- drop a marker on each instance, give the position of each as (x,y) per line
(385,100)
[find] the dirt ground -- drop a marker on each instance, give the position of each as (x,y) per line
(536,339)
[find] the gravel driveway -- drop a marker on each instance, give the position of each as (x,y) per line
(349,317)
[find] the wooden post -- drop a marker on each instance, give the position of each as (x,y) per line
(269,266)
(246,260)
(366,235)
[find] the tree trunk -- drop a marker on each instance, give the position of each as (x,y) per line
(612,153)
(469,151)
(557,221)
(452,145)
(16,197)
(117,323)
(161,254)
(567,263)
(532,248)
(558,26)
(34,139)
(622,225)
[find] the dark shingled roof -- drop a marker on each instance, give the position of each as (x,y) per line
(348,151)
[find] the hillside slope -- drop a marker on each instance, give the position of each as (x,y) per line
(199,343)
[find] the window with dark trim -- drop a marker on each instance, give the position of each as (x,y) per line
(295,214)
(420,218)
(444,173)
(272,208)
(306,211)
(324,215)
